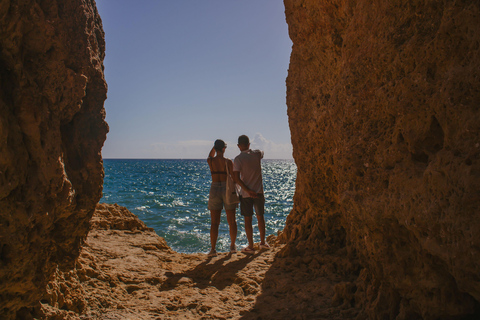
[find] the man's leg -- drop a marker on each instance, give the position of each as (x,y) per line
(249,230)
(246,208)
(261,228)
(260,211)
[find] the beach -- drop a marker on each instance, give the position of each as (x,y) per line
(126,271)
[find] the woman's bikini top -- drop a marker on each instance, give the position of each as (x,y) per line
(218,172)
(224,172)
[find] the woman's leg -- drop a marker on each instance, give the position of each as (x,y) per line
(214,223)
(232,227)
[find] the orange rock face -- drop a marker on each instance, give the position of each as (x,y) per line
(383,104)
(52,129)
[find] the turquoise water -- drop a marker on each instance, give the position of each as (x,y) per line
(171,196)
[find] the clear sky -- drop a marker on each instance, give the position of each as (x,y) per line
(182,73)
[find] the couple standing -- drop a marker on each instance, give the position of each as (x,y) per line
(246,171)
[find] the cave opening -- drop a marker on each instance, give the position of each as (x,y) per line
(202,72)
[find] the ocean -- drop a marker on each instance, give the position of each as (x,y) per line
(171,196)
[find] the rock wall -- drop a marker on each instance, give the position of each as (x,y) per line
(383,103)
(52,128)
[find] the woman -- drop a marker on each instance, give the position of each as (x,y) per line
(216,200)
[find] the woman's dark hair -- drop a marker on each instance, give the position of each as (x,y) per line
(219,145)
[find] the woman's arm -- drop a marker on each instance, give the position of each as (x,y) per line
(212,153)
(210,158)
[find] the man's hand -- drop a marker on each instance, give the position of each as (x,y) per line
(236,178)
(252,194)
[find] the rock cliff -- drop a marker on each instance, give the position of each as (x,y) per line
(52,129)
(383,103)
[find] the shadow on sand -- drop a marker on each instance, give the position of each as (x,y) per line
(303,287)
(220,274)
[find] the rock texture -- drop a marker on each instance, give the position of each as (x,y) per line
(52,129)
(126,271)
(383,104)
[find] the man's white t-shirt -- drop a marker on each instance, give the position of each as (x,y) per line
(249,166)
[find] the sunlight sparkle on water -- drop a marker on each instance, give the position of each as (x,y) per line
(171,197)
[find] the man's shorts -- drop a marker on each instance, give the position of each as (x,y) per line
(247,205)
(217,195)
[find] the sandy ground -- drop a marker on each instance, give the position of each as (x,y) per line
(125,274)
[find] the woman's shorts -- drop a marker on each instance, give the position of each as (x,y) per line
(216,197)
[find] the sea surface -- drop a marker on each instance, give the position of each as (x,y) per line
(171,196)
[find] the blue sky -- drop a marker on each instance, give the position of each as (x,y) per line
(182,73)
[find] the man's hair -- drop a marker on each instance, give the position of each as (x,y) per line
(243,140)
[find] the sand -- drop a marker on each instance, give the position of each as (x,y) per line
(129,272)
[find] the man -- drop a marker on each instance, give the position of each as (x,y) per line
(247,172)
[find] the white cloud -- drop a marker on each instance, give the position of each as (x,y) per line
(272,150)
(190,149)
(199,149)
